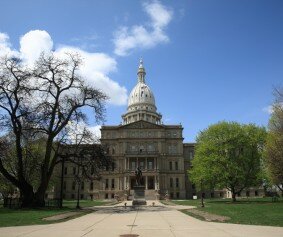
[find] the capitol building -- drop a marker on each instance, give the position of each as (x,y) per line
(141,140)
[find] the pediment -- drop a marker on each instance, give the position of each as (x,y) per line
(141,125)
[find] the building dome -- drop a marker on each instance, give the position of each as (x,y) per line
(141,97)
(141,102)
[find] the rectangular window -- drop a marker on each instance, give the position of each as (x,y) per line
(91,186)
(247,193)
(113,183)
(74,170)
(150,165)
(177,195)
(141,164)
(256,193)
(65,170)
(133,165)
(176,165)
(106,195)
(170,165)
(177,182)
(82,196)
(106,183)
(171,182)
(113,166)
(73,196)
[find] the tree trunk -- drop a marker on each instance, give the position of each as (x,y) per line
(27,196)
(234,196)
(39,200)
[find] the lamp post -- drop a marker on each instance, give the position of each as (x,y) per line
(79,185)
(62,181)
(202,194)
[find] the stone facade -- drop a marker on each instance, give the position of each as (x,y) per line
(142,140)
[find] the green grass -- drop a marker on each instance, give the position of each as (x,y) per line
(19,217)
(253,211)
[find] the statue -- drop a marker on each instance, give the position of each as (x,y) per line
(138,174)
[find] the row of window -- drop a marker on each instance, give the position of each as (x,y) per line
(141,164)
(74,184)
(176,183)
(107,182)
(142,147)
(173,134)
(171,165)
(74,169)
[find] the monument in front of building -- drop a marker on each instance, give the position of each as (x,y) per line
(139,197)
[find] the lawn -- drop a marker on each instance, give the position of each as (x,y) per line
(253,211)
(18,217)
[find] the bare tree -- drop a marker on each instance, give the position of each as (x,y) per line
(88,155)
(42,101)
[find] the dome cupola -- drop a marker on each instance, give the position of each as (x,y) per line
(141,102)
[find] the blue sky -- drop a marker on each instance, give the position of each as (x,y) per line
(206,61)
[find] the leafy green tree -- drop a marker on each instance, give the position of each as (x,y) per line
(228,155)
(274,144)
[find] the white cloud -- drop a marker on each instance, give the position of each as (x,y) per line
(5,46)
(95,68)
(34,43)
(141,36)
(269,109)
(95,130)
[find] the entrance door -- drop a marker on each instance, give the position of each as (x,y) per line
(150,182)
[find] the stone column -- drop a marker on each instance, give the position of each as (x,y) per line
(146,182)
(155,163)
(155,184)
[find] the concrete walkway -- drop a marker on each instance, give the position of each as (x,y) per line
(160,220)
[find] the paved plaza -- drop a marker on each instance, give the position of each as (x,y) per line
(163,221)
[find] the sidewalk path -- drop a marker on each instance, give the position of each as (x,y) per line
(158,221)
